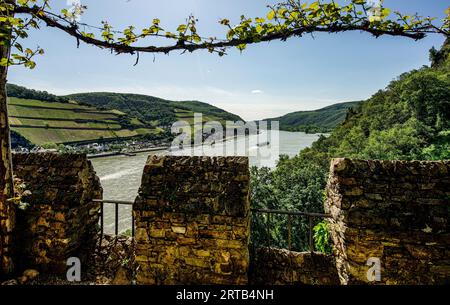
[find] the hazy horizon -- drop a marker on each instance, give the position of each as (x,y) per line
(180,100)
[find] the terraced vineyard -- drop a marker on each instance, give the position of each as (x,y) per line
(152,109)
(43,122)
(188,116)
(41,117)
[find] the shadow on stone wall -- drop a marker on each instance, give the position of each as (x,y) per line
(192,221)
(396,212)
(60,220)
(271,266)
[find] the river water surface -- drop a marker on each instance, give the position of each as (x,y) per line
(121,175)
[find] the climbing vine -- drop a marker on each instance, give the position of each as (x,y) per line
(284,20)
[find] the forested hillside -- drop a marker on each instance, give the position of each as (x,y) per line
(39,117)
(152,109)
(22,92)
(409,120)
(321,120)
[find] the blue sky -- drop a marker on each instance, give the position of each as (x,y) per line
(267,80)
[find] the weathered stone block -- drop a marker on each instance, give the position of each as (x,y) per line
(179,230)
(199,220)
(271,266)
(403,219)
(61,219)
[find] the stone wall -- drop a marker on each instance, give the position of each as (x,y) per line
(396,211)
(271,266)
(61,221)
(192,221)
(7,223)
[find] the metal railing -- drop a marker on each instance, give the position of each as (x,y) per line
(116,203)
(290,214)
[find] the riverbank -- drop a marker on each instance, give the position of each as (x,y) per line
(121,176)
(152,149)
(129,153)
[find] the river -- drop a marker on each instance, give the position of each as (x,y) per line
(121,175)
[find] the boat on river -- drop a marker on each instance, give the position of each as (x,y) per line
(263,144)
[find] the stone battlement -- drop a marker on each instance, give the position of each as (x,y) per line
(396,211)
(192,221)
(60,219)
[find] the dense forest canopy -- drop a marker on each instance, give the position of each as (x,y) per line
(146,108)
(409,120)
(149,108)
(22,92)
(315,121)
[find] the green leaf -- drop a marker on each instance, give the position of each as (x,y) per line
(19,47)
(241,47)
(282,11)
(196,38)
(89,35)
(230,34)
(385,12)
(4,62)
(314,6)
(181,28)
(271,15)
(30,64)
(259,29)
(170,35)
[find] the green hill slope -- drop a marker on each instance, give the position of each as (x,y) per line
(151,109)
(22,92)
(40,117)
(321,120)
(42,122)
(408,120)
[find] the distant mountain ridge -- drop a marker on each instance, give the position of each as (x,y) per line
(23,92)
(153,112)
(321,120)
(153,109)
